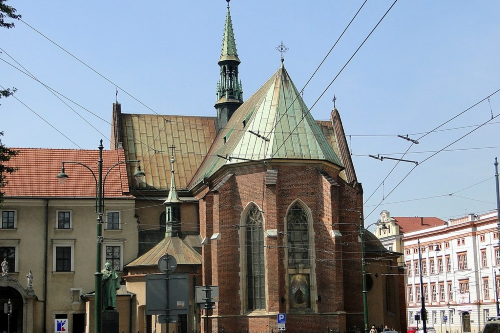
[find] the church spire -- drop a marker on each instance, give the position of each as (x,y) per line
(229,88)
(172,206)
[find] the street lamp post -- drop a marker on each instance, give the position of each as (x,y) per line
(496,292)
(422,295)
(423,312)
(363,267)
(99,181)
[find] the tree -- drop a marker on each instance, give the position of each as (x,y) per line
(6,153)
(7,11)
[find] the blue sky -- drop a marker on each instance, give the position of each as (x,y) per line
(427,62)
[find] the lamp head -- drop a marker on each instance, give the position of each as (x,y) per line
(139,175)
(62,176)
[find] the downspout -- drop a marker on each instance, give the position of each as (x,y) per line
(46,238)
(130,314)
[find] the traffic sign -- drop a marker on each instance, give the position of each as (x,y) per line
(281,321)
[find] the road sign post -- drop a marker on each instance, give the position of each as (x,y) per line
(281,321)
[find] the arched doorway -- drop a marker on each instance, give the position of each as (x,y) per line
(16,320)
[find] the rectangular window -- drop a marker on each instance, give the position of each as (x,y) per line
(486,289)
(113,220)
(63,219)
(497,257)
(408,268)
(424,267)
(417,293)
(463,286)
(481,238)
(416,268)
(484,260)
(9,253)
(441,292)
(410,319)
(450,291)
(432,266)
(440,265)
(426,293)
(63,259)
(434,292)
(113,256)
(451,317)
(410,294)
(448,264)
(462,260)
(8,219)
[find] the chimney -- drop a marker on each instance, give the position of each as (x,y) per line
(421,221)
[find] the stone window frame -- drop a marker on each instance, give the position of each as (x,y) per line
(63,243)
(119,220)
(15,244)
(113,242)
(243,262)
(311,270)
(70,219)
(1,219)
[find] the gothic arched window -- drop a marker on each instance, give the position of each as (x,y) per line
(298,237)
(254,240)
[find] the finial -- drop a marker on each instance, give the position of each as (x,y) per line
(334,99)
(282,49)
(228,3)
(116,95)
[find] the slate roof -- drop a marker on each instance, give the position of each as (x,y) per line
(38,168)
(287,130)
(410,224)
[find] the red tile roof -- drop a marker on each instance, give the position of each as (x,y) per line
(38,168)
(409,224)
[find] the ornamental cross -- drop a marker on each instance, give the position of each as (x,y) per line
(282,49)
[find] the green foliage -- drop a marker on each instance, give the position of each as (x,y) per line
(7,11)
(5,155)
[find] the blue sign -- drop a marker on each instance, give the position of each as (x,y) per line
(281,318)
(445,318)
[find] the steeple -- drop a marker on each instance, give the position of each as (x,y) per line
(229,88)
(172,206)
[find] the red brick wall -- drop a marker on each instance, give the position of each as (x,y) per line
(335,262)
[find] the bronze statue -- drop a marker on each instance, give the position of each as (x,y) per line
(110,285)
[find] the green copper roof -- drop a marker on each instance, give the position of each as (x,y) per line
(228,43)
(287,130)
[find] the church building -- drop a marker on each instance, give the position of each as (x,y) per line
(263,202)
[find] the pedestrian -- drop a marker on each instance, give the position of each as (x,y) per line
(373,330)
(386,328)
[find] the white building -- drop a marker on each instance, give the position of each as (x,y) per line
(458,276)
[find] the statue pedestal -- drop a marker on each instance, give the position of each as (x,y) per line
(110,321)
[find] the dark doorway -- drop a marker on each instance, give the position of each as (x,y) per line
(16,319)
(79,323)
(466,322)
(182,323)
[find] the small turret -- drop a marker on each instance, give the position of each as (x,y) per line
(229,88)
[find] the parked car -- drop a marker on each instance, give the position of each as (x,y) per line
(428,329)
(412,329)
(492,326)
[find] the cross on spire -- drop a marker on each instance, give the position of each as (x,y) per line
(282,49)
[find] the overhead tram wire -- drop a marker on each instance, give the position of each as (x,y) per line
(427,133)
(56,93)
(411,170)
(48,123)
(336,76)
(51,91)
(95,71)
(319,66)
